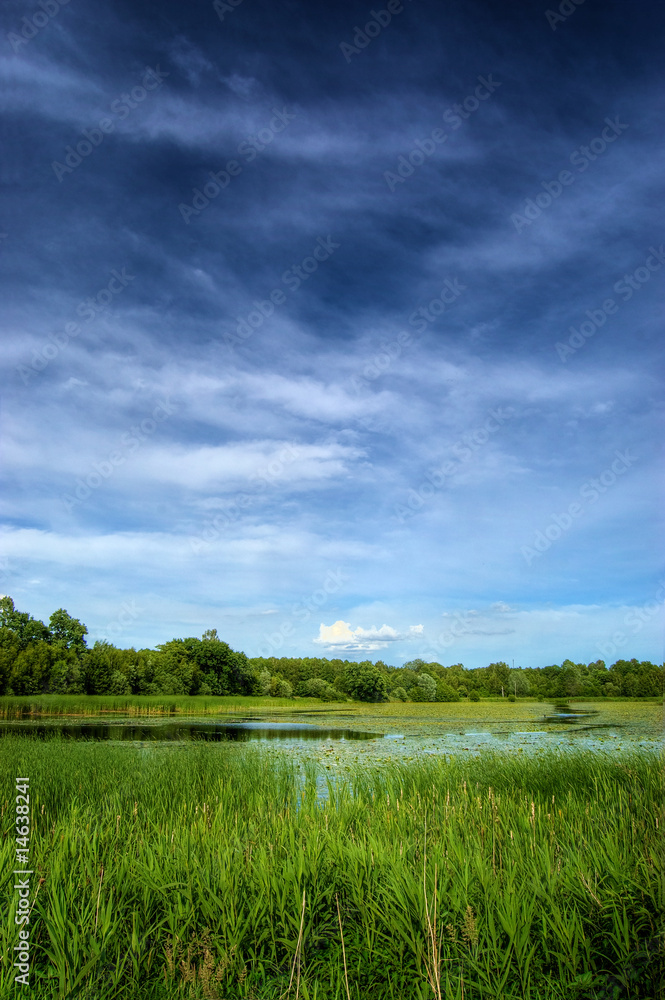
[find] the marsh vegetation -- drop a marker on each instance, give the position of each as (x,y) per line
(214,871)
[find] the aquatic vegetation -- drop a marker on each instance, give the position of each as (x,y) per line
(217,871)
(17,706)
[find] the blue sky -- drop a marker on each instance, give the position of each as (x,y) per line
(338,331)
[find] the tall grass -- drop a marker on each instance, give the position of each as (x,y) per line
(216,872)
(20,706)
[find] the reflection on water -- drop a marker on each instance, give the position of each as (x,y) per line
(182,730)
(565,713)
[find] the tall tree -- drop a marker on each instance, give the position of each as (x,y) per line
(67,632)
(20,626)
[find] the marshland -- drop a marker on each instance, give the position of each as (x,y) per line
(192,823)
(411,864)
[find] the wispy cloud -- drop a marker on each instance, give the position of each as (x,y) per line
(363,388)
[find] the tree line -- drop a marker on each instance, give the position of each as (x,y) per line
(55,659)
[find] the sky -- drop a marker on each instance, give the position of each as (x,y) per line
(336,328)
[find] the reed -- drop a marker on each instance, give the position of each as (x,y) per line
(217,872)
(32,706)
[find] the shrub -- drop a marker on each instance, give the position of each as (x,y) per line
(280,688)
(444,692)
(400,694)
(474,696)
(424,689)
(262,683)
(316,687)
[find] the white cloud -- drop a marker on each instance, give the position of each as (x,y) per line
(341,636)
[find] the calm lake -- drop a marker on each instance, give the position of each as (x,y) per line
(347,737)
(183,730)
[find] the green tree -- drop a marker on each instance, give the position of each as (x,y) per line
(262,685)
(30,671)
(227,671)
(518,683)
(20,625)
(67,632)
(424,689)
(316,687)
(415,665)
(280,688)
(119,683)
(364,682)
(66,674)
(570,679)
(498,676)
(98,666)
(446,692)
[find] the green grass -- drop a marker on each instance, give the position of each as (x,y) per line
(216,872)
(17,706)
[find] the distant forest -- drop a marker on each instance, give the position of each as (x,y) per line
(55,659)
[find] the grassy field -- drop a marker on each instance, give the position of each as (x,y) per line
(217,872)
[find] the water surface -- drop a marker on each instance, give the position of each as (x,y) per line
(146,731)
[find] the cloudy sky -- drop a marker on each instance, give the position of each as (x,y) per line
(336,328)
